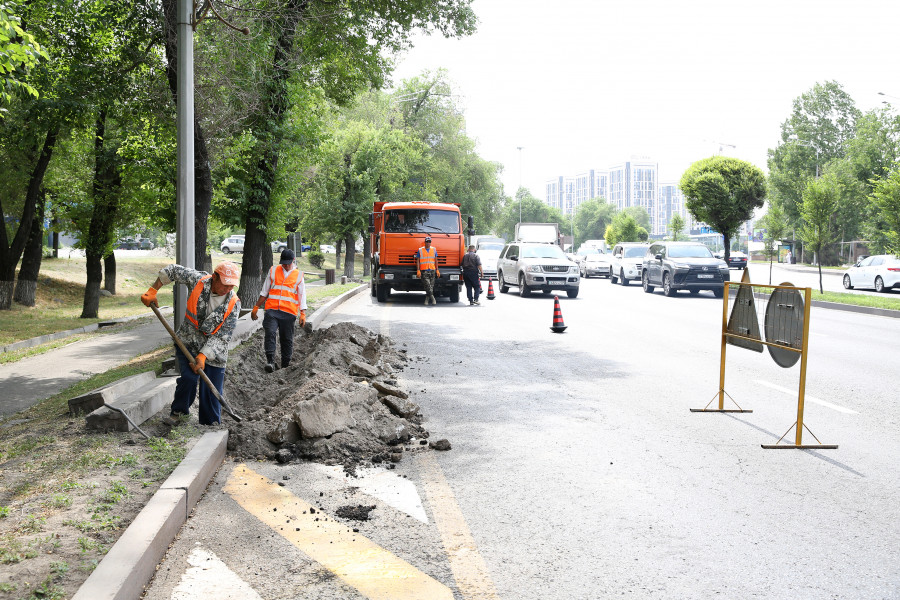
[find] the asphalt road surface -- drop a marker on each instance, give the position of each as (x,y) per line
(578,471)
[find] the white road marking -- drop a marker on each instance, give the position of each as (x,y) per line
(808,398)
(391,489)
(210,578)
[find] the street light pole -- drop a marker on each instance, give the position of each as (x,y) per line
(184,223)
(518,191)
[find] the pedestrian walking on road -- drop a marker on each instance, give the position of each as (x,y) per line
(788,257)
(427,269)
(472,274)
(283,296)
(209,321)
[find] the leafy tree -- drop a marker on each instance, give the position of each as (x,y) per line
(819,129)
(625,228)
(19,52)
(676,226)
(723,192)
(886,197)
(775,224)
(532,209)
(592,219)
(640,215)
(817,210)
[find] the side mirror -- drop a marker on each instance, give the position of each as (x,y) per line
(513,257)
(658,257)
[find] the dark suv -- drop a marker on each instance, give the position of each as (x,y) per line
(683,266)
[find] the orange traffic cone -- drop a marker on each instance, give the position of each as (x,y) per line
(490,295)
(558,325)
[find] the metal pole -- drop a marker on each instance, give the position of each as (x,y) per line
(184,227)
(726,293)
(520,183)
(801,397)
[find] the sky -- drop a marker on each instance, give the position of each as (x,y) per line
(581,84)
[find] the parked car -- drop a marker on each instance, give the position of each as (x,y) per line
(278,246)
(327,249)
(234,243)
(626,261)
(683,266)
(880,271)
(135,244)
(595,264)
(489,252)
(537,266)
(736,259)
(583,251)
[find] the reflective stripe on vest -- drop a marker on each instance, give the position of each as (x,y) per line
(427,259)
(282,295)
(191,312)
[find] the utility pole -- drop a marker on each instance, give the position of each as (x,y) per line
(520,183)
(184,225)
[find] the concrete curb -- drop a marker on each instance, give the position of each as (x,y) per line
(50,337)
(131,562)
(866,310)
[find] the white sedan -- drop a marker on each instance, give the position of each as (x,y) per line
(881,272)
(595,264)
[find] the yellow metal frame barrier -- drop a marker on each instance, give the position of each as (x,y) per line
(799,425)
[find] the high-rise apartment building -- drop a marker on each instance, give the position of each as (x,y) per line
(634,183)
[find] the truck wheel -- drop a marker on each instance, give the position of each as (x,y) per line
(382,292)
(454,294)
(503,287)
(372,286)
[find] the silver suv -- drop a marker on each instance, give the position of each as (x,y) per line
(535,266)
(626,261)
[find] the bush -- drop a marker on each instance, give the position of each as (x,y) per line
(316,258)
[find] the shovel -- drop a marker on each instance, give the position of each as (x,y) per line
(190,357)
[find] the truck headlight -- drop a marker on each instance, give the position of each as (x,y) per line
(387,275)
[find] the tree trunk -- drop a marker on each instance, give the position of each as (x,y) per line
(10,253)
(350,260)
(26,285)
(109,273)
(337,254)
(203,187)
(100,230)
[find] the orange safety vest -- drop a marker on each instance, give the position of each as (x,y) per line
(427,260)
(191,312)
(282,295)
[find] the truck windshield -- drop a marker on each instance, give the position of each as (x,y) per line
(419,220)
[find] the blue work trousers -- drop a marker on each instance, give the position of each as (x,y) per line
(473,284)
(186,390)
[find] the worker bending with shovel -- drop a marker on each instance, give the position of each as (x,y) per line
(283,296)
(209,321)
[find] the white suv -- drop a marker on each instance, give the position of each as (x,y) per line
(535,266)
(234,243)
(626,261)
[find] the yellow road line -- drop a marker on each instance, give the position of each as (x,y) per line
(469,568)
(358,561)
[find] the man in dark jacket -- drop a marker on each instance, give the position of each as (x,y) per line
(472,274)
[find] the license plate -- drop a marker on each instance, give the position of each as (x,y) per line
(704,276)
(557,281)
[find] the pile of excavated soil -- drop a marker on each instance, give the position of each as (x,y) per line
(337,402)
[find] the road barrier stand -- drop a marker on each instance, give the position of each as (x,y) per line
(786,329)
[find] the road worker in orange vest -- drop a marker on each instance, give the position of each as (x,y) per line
(427,269)
(209,321)
(283,296)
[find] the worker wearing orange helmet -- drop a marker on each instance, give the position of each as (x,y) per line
(209,322)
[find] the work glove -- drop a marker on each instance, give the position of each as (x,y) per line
(199,364)
(437,273)
(419,274)
(149,298)
(302,318)
(253,314)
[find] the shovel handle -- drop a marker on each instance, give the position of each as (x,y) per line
(192,360)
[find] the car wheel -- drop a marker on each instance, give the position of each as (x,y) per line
(524,290)
(612,278)
(546,292)
(645,282)
(848,285)
(503,287)
(668,290)
(226,250)
(572,293)
(719,292)
(695,292)
(879,284)
(622,279)
(382,292)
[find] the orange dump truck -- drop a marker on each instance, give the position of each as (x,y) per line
(399,229)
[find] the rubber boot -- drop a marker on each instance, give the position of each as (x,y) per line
(270,363)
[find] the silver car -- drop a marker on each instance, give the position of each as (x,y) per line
(625,262)
(595,264)
(536,266)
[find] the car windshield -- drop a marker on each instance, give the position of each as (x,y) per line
(488,253)
(636,252)
(421,220)
(496,247)
(693,251)
(548,251)
(587,251)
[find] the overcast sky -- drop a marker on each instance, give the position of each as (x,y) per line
(585,84)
